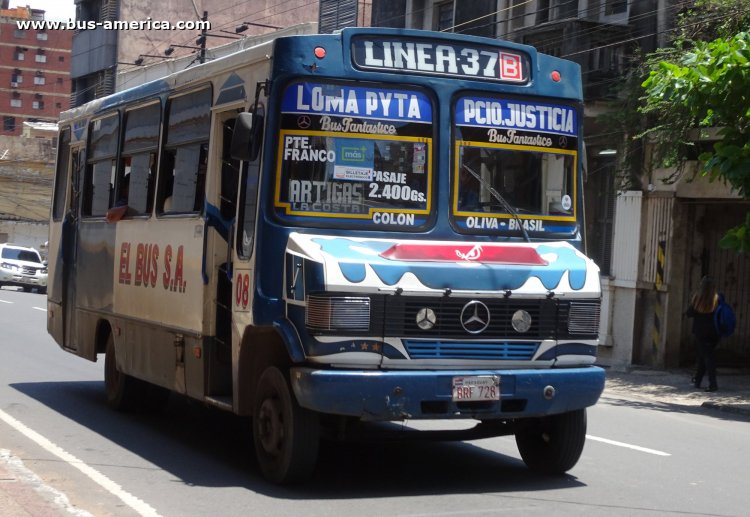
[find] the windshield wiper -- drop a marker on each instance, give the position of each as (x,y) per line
(500,199)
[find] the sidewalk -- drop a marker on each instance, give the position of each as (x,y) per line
(674,387)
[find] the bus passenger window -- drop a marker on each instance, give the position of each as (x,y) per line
(61,175)
(184,158)
(101,167)
(138,163)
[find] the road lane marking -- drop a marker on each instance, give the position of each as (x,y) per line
(40,309)
(20,472)
(139,506)
(628,446)
(3,301)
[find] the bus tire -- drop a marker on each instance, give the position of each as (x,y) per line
(286,435)
(121,389)
(553,444)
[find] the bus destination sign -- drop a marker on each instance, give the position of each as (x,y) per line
(433,57)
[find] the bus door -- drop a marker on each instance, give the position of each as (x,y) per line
(222,220)
(69,246)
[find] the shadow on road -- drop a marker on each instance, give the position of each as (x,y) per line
(206,447)
(671,407)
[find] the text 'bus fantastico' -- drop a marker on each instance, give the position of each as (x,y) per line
(325,230)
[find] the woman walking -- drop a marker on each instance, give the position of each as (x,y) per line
(702,307)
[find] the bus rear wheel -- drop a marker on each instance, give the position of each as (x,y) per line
(121,389)
(286,435)
(553,444)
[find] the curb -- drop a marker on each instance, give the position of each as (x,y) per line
(728,408)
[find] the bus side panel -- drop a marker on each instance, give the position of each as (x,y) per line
(159,290)
(54,284)
(93,298)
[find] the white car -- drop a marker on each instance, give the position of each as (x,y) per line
(22,267)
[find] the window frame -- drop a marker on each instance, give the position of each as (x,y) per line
(151,150)
(170,152)
(92,161)
(458,216)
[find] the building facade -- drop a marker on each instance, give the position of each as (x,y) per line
(653,239)
(100,54)
(34,71)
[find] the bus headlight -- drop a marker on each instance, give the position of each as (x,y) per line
(340,313)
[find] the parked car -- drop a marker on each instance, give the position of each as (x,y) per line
(22,267)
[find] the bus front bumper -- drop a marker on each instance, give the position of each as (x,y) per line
(383,395)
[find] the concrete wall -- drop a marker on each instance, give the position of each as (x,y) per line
(34,235)
(26,178)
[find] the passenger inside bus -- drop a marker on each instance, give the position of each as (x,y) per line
(120,208)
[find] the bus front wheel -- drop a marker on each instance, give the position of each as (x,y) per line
(286,435)
(553,444)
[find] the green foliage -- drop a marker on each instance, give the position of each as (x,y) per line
(704,82)
(710,87)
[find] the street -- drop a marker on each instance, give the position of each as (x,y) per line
(59,438)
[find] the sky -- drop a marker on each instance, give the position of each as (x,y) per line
(56,9)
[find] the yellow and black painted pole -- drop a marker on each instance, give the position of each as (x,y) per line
(658,309)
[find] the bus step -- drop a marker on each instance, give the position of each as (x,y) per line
(220,402)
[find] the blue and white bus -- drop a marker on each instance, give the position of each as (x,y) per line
(375,225)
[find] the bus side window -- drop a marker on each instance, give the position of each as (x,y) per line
(101,167)
(184,157)
(61,175)
(137,165)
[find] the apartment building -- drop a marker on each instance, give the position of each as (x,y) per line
(34,71)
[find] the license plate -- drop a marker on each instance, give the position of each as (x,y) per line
(476,388)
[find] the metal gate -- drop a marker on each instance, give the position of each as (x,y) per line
(708,222)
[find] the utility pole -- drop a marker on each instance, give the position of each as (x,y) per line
(204,32)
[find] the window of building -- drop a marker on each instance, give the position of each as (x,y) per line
(9,123)
(41,36)
(39,79)
(40,57)
(20,33)
(58,105)
(564,9)
(61,59)
(518,14)
(444,16)
(59,80)
(616,7)
(476,18)
(16,78)
(185,154)
(19,55)
(16,103)
(37,105)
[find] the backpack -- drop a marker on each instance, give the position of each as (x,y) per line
(724,318)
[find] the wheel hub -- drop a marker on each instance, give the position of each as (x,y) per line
(271,426)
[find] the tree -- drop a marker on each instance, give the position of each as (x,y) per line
(706,84)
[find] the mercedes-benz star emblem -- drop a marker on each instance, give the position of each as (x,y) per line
(426,318)
(521,321)
(475,317)
(303,122)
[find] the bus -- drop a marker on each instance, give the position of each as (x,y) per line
(324,232)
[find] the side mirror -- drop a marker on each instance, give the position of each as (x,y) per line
(247,137)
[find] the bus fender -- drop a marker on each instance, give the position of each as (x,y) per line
(291,339)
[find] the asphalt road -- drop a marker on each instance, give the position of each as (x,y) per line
(60,443)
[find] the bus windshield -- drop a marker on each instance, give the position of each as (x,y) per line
(513,158)
(354,153)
